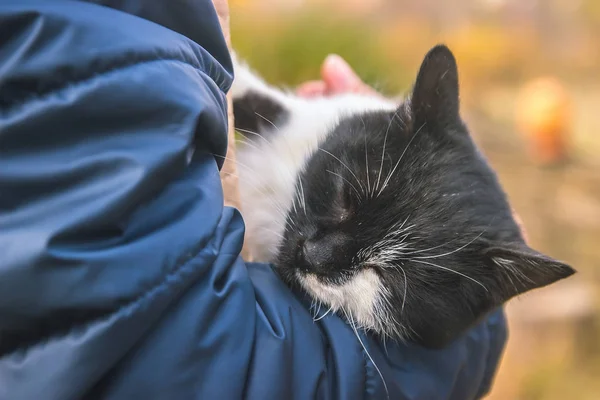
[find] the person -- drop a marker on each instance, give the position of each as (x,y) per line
(337,77)
(120,274)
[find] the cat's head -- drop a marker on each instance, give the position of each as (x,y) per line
(401,225)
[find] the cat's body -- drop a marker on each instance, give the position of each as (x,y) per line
(385,213)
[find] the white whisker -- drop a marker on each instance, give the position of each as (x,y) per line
(237,162)
(272,231)
(405,288)
(401,226)
(324,315)
(348,168)
(247,142)
(367,166)
(400,159)
(256,134)
(353,325)
(313,306)
(349,183)
(432,248)
(451,270)
(303,196)
(234,161)
(266,119)
(453,251)
(383,153)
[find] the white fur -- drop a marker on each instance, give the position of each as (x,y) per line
(362,296)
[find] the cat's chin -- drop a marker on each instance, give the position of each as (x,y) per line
(362,299)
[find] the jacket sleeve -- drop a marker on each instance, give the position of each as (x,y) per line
(120,274)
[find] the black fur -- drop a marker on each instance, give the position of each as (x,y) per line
(460,220)
(253,111)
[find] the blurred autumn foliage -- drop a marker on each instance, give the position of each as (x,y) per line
(493,40)
(543,115)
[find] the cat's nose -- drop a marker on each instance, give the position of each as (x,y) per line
(325,254)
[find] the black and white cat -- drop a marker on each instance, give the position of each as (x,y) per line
(385,213)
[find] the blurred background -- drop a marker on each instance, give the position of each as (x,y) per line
(530,81)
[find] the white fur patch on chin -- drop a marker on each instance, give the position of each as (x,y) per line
(362,296)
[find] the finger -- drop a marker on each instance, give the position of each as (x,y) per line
(521,226)
(339,76)
(311,89)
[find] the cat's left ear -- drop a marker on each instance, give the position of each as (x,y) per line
(520,269)
(435,96)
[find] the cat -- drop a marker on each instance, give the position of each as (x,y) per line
(383,211)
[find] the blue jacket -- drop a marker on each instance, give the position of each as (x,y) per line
(119,269)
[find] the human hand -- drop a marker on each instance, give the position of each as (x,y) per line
(337,77)
(222,8)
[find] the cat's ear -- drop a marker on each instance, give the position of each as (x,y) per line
(520,269)
(514,270)
(435,96)
(257,107)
